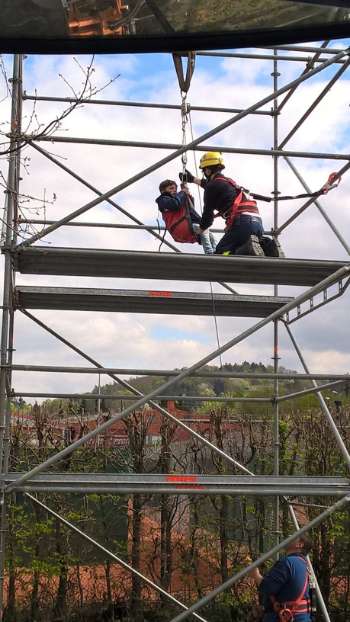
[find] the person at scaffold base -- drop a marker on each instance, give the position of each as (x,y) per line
(285,592)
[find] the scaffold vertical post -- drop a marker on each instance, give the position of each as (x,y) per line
(276,437)
(6,348)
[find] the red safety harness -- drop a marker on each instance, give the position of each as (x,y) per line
(239,205)
(242,204)
(179,223)
(287,610)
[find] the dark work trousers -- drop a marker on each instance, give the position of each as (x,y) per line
(243,227)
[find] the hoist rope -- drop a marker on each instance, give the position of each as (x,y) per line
(195,161)
(186,120)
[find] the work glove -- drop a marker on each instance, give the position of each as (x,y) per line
(186,177)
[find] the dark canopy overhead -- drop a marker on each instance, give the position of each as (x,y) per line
(66,26)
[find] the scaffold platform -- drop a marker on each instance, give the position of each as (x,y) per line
(143,301)
(172,266)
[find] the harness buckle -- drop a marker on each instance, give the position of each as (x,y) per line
(286,615)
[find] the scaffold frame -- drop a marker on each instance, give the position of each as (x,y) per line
(317,276)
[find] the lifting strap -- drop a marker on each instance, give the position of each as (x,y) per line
(333,181)
(184,80)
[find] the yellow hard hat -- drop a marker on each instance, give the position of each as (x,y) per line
(211,158)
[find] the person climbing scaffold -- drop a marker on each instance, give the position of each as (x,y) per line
(180,217)
(223,197)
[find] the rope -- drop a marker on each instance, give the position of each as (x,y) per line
(201,210)
(333,181)
(184,121)
(215,322)
(195,161)
(159,233)
(184,85)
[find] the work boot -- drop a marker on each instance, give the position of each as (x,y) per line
(251,247)
(271,247)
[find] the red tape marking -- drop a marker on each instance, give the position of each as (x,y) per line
(187,482)
(155,294)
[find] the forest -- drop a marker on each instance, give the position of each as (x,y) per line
(187,544)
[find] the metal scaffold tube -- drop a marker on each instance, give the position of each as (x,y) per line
(320,280)
(217,373)
(326,217)
(113,556)
(131,104)
(339,505)
(136,392)
(342,447)
(8,312)
(178,147)
(276,434)
(204,361)
(183,149)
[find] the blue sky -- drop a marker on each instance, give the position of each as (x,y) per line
(137,340)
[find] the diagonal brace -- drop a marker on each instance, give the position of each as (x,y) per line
(308,203)
(319,206)
(136,392)
(325,409)
(113,203)
(146,398)
(242,573)
(184,148)
(117,559)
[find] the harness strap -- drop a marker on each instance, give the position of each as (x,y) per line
(177,222)
(240,202)
(286,610)
(298,601)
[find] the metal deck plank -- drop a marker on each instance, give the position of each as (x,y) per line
(146,301)
(177,483)
(172,266)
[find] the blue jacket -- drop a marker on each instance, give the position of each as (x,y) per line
(172,202)
(285,582)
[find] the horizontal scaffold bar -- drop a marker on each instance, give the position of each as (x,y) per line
(176,146)
(175,483)
(156,398)
(215,373)
(172,266)
(150,301)
(131,104)
(193,398)
(107,225)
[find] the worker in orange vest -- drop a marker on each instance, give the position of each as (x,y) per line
(223,197)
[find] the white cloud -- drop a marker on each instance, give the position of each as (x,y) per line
(132,340)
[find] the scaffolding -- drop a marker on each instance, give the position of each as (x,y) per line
(322,281)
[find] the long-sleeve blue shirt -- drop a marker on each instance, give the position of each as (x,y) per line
(285,582)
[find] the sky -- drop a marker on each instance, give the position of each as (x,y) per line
(166,342)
